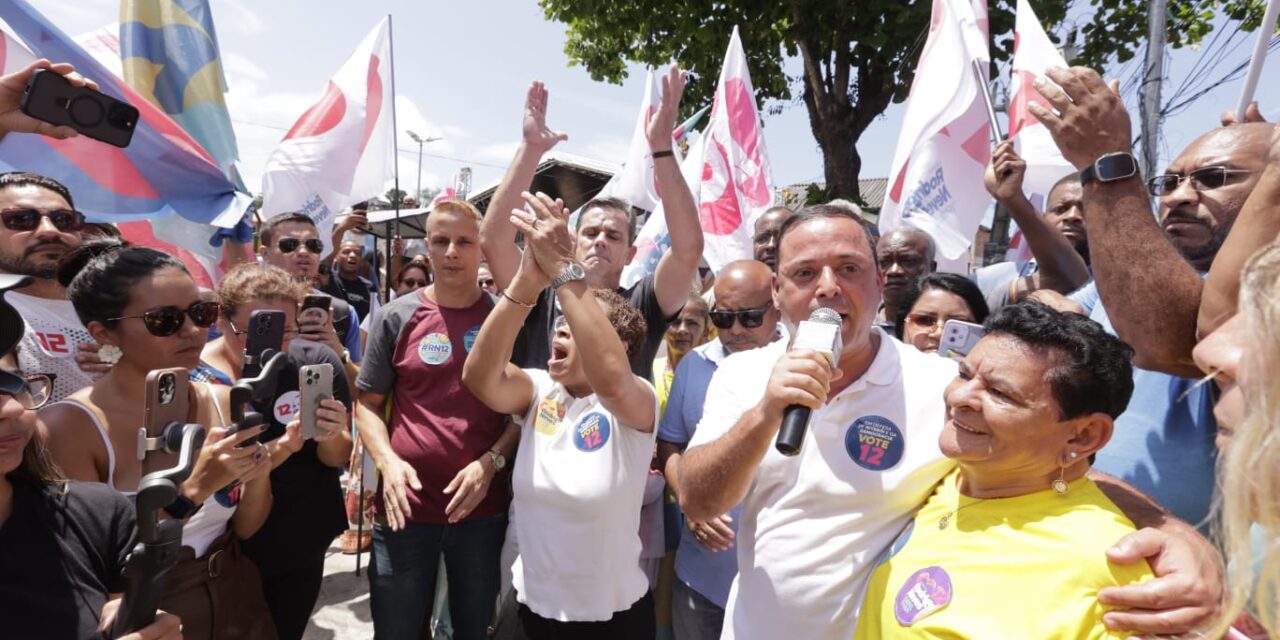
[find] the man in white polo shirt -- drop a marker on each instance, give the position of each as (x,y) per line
(813,525)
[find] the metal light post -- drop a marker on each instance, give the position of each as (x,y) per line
(417,195)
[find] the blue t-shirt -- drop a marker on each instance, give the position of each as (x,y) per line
(710,573)
(1163,444)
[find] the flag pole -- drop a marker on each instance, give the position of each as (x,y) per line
(395,154)
(985,90)
(1265,32)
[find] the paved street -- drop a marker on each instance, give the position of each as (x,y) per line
(342,613)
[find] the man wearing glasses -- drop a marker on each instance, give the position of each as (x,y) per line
(706,563)
(1149,274)
(290,241)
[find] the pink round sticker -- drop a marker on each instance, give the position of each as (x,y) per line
(926,591)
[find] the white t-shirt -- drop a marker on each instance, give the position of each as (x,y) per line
(812,526)
(579,483)
(49,343)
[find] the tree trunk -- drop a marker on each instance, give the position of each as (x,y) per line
(840,160)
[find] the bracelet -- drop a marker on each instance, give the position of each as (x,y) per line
(527,305)
(663,154)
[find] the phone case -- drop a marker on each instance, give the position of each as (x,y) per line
(265,331)
(315,382)
(168,399)
(958,338)
(315,308)
(51,98)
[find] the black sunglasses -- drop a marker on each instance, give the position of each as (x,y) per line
(29,219)
(166,321)
(289,245)
(32,392)
(750,318)
(1205,179)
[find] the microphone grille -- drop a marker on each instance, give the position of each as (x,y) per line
(824,316)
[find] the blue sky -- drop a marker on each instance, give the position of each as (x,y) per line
(461,72)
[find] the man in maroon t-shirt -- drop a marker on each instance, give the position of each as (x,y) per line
(441,448)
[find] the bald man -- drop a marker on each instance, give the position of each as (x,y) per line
(746,319)
(904,254)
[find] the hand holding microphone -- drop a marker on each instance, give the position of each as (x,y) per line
(803,376)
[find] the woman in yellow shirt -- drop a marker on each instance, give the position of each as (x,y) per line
(1012,543)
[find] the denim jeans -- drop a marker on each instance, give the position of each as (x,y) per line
(402,576)
(693,615)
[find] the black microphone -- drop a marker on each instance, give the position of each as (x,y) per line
(821,333)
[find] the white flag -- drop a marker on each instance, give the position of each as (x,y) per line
(945,140)
(737,184)
(342,150)
(654,238)
(636,183)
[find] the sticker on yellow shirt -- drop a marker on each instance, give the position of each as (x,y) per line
(592,432)
(874,442)
(435,348)
(550,413)
(924,593)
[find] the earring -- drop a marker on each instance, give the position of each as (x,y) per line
(109,354)
(1060,485)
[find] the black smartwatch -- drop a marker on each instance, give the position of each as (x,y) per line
(181,507)
(1110,168)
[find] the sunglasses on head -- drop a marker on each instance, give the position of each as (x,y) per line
(289,245)
(29,219)
(32,392)
(166,321)
(1205,179)
(749,318)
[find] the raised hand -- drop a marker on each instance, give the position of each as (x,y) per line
(663,122)
(537,135)
(11,87)
(546,230)
(1090,119)
(1005,172)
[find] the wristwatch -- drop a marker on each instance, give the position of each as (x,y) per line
(499,461)
(572,272)
(346,356)
(181,507)
(1110,168)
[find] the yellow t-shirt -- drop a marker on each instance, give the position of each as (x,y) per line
(1028,567)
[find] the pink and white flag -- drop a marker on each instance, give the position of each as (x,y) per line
(654,238)
(945,140)
(636,183)
(342,150)
(737,183)
(1033,53)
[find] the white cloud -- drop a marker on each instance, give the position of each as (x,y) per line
(241,19)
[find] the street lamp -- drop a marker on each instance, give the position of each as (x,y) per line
(417,195)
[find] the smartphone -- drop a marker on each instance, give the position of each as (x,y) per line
(315,309)
(958,338)
(316,383)
(53,99)
(265,331)
(168,400)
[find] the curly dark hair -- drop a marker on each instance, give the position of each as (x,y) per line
(1093,372)
(626,320)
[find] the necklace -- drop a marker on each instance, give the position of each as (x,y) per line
(946,518)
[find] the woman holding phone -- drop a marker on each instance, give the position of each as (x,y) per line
(146,311)
(307,511)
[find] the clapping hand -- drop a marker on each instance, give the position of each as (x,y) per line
(546,231)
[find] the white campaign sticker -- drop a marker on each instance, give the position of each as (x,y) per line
(435,348)
(287,407)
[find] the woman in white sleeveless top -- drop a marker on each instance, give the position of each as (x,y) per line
(585,447)
(145,304)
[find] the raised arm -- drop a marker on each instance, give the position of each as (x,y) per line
(675,269)
(1152,294)
(1061,268)
(546,231)
(497,235)
(1256,227)
(488,371)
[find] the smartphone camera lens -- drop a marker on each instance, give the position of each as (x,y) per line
(85,111)
(122,116)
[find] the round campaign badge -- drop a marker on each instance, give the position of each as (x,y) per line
(925,592)
(874,442)
(435,348)
(592,432)
(287,407)
(469,339)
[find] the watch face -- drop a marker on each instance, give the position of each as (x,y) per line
(1116,166)
(576,271)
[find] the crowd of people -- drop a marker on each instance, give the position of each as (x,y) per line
(561,456)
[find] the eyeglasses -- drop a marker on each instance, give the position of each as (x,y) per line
(32,392)
(750,318)
(166,321)
(418,284)
(1205,179)
(486,282)
(29,219)
(289,245)
(929,320)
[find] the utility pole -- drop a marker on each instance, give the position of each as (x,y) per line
(1149,107)
(417,195)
